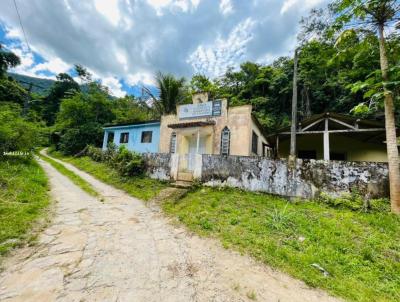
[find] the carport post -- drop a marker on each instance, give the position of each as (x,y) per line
(326,140)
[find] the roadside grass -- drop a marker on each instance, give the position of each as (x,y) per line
(359,251)
(140,187)
(23,201)
(76,179)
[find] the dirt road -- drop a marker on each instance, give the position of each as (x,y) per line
(121,250)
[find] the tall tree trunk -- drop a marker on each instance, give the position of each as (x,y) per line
(294,110)
(308,102)
(390,125)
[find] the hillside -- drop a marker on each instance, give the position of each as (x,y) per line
(40,85)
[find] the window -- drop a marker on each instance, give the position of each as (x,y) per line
(307,154)
(124,138)
(110,138)
(172,145)
(225,141)
(147,136)
(254,143)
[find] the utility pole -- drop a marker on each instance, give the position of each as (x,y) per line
(292,156)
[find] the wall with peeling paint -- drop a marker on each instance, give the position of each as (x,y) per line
(307,180)
(158,165)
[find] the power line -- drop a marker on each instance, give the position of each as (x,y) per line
(22,27)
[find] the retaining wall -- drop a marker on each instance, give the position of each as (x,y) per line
(307,180)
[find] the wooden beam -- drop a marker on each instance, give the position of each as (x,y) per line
(326,140)
(338,131)
(342,123)
(312,124)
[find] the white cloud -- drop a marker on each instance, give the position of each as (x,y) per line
(226,7)
(114,86)
(109,9)
(213,60)
(182,5)
(140,78)
(54,65)
(307,4)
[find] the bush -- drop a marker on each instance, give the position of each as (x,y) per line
(128,163)
(16,132)
(94,153)
(111,153)
(74,140)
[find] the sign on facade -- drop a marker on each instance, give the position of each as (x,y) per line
(200,110)
(217,108)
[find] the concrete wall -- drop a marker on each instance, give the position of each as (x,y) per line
(158,165)
(308,179)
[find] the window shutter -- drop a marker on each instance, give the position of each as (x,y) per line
(225,141)
(172,145)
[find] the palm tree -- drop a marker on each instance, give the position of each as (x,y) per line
(379,14)
(170,93)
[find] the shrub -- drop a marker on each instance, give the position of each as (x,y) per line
(95,153)
(16,132)
(128,163)
(74,140)
(111,153)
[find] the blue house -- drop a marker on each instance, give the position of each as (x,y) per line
(143,137)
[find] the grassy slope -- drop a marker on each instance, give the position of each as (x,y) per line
(76,179)
(141,187)
(23,198)
(360,251)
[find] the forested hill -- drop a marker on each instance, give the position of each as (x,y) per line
(40,85)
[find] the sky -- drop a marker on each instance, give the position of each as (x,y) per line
(124,43)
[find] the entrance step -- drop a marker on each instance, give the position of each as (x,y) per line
(182,184)
(185,176)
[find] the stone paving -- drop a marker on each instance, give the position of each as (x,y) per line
(118,249)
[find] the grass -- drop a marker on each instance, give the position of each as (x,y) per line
(140,187)
(359,251)
(23,200)
(76,179)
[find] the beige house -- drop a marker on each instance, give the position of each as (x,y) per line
(211,127)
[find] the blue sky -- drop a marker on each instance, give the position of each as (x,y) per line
(124,43)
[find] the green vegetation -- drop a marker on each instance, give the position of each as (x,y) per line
(23,200)
(127,163)
(360,251)
(76,179)
(140,187)
(39,85)
(16,132)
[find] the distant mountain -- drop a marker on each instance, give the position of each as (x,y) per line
(39,85)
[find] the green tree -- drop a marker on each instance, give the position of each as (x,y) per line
(379,14)
(7,60)
(63,87)
(130,110)
(170,92)
(81,118)
(17,133)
